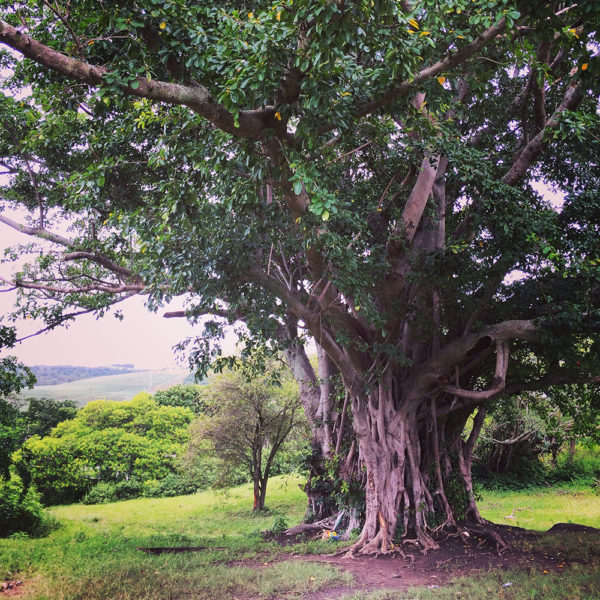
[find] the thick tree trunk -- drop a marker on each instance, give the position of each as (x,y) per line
(418,469)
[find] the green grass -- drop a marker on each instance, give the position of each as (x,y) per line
(542,508)
(93,556)
(110,387)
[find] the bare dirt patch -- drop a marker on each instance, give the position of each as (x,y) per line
(11,587)
(437,568)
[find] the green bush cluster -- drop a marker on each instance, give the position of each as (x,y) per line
(109,443)
(582,468)
(21,510)
(173,484)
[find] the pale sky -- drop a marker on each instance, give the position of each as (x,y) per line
(142,338)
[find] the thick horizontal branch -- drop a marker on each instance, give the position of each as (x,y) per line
(457,350)
(196,97)
(103,261)
(39,232)
(83,289)
(548,381)
(179,314)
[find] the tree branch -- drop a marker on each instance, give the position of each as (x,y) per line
(572,98)
(196,97)
(39,232)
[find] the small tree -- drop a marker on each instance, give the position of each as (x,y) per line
(250,420)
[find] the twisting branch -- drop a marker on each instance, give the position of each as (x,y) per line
(110,288)
(572,98)
(103,261)
(499,378)
(451,60)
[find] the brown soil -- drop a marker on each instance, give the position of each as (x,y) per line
(454,558)
(11,588)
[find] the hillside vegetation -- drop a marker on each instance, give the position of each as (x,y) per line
(56,374)
(110,387)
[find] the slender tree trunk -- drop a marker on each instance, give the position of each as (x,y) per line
(258,496)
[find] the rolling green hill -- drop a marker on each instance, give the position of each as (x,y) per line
(111,387)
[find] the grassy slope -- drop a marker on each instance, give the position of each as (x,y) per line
(92,556)
(111,387)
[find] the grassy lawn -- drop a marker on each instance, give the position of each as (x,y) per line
(93,556)
(542,508)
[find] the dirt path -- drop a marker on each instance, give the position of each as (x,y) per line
(454,558)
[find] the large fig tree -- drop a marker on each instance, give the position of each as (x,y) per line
(410,183)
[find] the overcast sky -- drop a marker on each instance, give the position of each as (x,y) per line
(142,338)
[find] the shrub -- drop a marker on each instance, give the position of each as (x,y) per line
(170,485)
(583,466)
(132,488)
(101,493)
(22,511)
(115,442)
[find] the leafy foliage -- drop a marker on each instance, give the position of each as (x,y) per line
(106,442)
(188,396)
(21,510)
(246,424)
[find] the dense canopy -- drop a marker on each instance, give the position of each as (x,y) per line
(410,183)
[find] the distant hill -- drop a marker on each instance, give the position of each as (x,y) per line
(56,374)
(123,386)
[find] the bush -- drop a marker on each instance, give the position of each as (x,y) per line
(170,485)
(115,442)
(101,493)
(22,511)
(583,467)
(132,488)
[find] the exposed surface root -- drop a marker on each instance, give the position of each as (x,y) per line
(487,534)
(310,527)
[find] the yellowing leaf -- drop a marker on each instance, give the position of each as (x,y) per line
(441,80)
(413,23)
(345,94)
(278,116)
(584,67)
(298,219)
(163,25)
(250,15)
(411,31)
(574,32)
(325,215)
(278,16)
(424,33)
